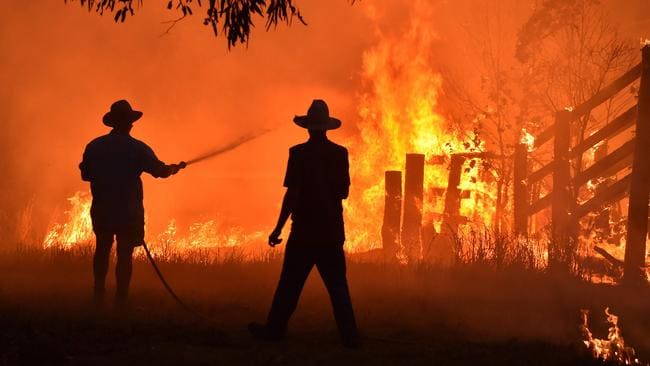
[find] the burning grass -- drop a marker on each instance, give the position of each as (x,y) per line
(207,242)
(212,241)
(499,250)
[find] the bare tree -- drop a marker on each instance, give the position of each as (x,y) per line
(565,52)
(571,51)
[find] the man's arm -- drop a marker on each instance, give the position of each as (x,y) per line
(152,165)
(292,182)
(288,203)
(84,167)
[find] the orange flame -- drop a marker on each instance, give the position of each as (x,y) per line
(78,226)
(399,115)
(527,139)
(208,234)
(77,229)
(611,349)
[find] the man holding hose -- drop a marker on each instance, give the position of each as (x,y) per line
(113,164)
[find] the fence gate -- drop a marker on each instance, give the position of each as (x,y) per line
(566,212)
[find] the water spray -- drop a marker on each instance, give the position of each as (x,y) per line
(223,149)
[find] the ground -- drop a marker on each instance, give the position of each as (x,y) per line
(410,316)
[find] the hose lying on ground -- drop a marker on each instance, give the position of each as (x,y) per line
(169,289)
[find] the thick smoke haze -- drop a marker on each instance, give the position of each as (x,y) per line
(61,68)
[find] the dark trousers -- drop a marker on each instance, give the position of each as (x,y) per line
(299,258)
(123,268)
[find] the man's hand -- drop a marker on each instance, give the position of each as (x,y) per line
(177,167)
(274,238)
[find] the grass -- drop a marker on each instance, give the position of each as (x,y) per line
(471,313)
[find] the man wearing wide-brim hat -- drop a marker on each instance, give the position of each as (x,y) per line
(317,180)
(113,164)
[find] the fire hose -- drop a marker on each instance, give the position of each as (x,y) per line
(205,156)
(169,289)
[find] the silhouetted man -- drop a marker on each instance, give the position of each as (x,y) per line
(113,164)
(317,180)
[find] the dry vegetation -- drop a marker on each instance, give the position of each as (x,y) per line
(472,313)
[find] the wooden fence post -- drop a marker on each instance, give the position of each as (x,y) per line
(451,215)
(637,219)
(560,248)
(520,194)
(390,230)
(413,197)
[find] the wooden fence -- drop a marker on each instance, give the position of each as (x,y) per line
(566,212)
(405,226)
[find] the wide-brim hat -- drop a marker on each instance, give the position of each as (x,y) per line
(317,118)
(121,114)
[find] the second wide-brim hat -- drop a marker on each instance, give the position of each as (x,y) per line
(317,118)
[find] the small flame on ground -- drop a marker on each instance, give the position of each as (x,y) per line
(611,349)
